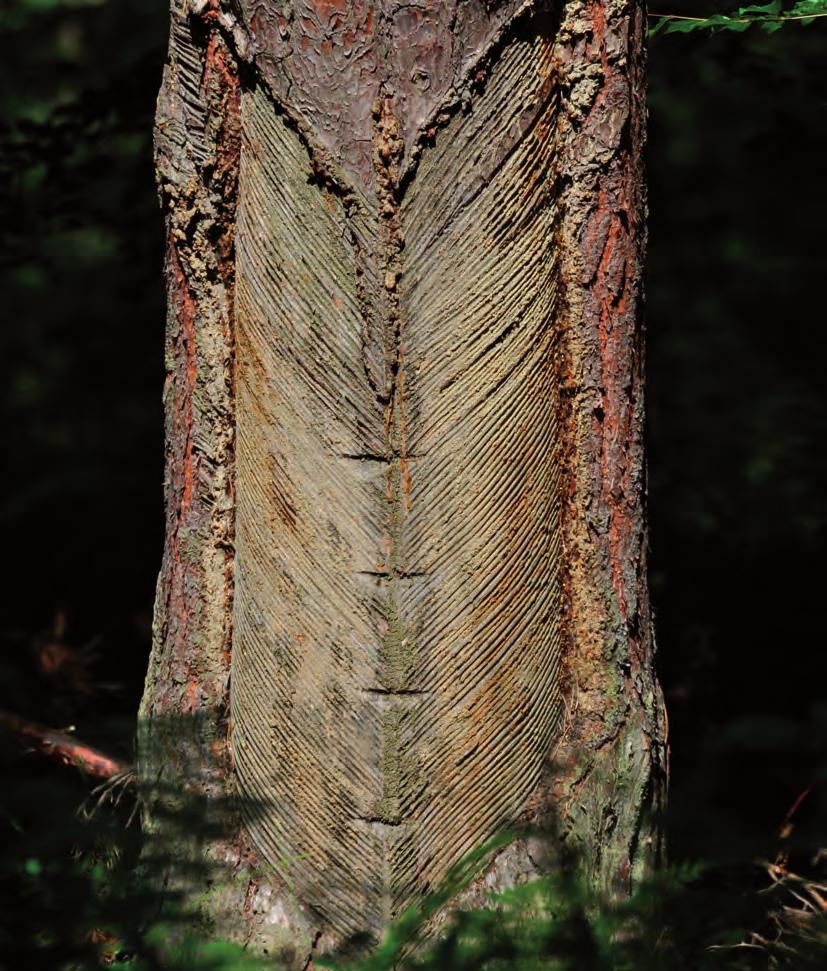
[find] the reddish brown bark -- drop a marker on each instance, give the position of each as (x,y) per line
(613,750)
(197,145)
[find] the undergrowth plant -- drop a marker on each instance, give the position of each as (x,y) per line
(84,892)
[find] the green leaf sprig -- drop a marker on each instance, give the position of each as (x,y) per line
(768,17)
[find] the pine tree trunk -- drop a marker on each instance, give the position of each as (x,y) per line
(403,603)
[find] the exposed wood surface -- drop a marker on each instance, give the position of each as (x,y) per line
(396,650)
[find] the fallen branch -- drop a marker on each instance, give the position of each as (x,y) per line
(64,748)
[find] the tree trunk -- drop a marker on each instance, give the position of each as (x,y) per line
(403,603)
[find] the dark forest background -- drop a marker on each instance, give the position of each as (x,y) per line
(737,338)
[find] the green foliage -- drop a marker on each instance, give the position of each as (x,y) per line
(769,17)
(83,890)
(683,919)
(189,951)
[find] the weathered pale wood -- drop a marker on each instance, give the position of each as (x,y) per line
(405,475)
(396,647)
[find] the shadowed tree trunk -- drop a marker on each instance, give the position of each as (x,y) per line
(403,603)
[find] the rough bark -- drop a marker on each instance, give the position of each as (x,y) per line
(405,481)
